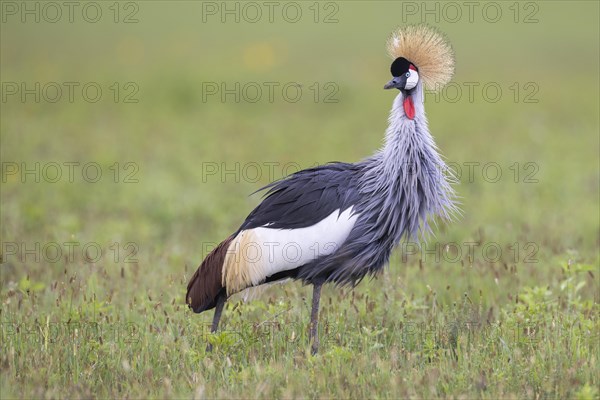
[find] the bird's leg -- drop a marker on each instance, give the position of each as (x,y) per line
(313,333)
(216,318)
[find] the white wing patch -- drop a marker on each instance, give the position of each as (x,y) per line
(258,253)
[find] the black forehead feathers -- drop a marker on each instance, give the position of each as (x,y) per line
(400,66)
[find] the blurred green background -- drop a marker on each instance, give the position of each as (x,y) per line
(542,132)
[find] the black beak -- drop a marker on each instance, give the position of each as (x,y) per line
(397,82)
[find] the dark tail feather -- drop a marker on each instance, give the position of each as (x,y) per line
(205,285)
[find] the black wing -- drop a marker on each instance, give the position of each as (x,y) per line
(306,197)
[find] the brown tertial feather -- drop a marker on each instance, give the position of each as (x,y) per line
(205,285)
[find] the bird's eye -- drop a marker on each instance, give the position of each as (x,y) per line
(407,74)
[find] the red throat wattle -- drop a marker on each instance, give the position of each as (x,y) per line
(409,107)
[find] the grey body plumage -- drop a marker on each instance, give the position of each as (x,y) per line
(394,192)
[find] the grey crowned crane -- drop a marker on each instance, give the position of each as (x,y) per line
(344,219)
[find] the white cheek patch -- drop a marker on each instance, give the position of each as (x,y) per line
(412,80)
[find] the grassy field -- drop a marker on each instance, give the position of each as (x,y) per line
(109,202)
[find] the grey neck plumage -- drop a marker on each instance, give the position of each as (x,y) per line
(407,181)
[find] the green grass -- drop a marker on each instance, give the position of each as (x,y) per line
(521,324)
